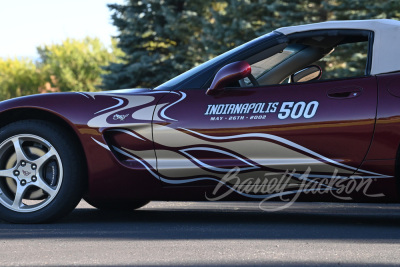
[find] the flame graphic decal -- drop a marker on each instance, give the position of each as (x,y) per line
(192,169)
(187,156)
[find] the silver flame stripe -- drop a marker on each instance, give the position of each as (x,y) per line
(162,113)
(289,143)
(184,151)
(127,132)
(120,102)
(265,196)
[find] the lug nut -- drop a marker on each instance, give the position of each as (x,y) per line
(16,172)
(34,166)
(23,182)
(34,178)
(23,163)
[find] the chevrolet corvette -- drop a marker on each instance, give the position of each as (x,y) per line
(304,113)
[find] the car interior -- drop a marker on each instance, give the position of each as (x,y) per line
(345,52)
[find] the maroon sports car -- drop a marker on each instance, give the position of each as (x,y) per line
(305,113)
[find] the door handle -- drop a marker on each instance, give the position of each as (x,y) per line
(344,92)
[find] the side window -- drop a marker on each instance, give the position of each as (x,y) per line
(339,54)
(345,61)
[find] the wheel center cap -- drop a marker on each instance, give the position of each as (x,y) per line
(25,172)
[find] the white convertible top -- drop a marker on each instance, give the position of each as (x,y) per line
(386,47)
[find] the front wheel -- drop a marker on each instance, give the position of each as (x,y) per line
(41,172)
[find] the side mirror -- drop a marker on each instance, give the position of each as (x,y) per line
(232,72)
(310,73)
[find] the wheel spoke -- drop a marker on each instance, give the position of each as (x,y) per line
(19,195)
(7,173)
(18,149)
(44,186)
(40,161)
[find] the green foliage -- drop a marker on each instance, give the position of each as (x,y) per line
(19,77)
(164,38)
(365,9)
(160,39)
(75,65)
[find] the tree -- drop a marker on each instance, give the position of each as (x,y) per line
(19,77)
(160,39)
(164,38)
(234,22)
(364,9)
(75,65)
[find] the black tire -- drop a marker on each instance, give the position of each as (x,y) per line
(122,205)
(53,187)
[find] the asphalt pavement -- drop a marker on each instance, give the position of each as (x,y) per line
(211,234)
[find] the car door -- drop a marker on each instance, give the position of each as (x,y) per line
(319,129)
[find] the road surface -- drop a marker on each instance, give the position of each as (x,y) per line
(211,234)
